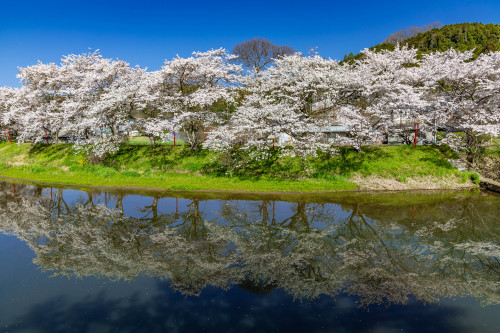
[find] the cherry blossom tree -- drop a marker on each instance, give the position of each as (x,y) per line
(466,97)
(40,107)
(83,96)
(153,119)
(280,101)
(7,101)
(103,97)
(390,90)
(185,89)
(89,98)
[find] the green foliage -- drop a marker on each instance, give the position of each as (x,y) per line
(494,149)
(475,178)
(482,38)
(223,109)
(472,176)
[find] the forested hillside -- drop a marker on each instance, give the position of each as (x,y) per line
(483,38)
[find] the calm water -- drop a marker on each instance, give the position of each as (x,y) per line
(77,261)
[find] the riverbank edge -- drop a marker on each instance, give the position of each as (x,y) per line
(489,184)
(180,170)
(370,184)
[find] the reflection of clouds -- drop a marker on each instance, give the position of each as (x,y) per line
(237,311)
(374,260)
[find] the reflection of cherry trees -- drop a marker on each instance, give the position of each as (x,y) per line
(450,249)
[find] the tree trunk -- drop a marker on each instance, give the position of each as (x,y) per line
(152,140)
(472,147)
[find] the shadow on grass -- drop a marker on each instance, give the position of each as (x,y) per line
(162,157)
(438,162)
(349,160)
(332,167)
(51,151)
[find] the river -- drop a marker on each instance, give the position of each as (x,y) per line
(123,261)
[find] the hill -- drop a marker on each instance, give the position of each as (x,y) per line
(481,37)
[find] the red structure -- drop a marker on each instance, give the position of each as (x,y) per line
(416,133)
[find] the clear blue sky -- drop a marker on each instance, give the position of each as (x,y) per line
(147,32)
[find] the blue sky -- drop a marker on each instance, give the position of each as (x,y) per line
(146,32)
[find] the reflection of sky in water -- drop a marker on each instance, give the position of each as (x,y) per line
(31,300)
(210,208)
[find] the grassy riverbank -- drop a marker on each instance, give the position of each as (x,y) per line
(178,168)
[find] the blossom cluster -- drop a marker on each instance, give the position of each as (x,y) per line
(307,102)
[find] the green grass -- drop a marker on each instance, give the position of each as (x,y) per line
(494,148)
(144,140)
(388,162)
(139,139)
(179,168)
(173,181)
(165,167)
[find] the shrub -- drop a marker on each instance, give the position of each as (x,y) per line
(475,178)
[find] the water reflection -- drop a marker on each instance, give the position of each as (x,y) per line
(379,251)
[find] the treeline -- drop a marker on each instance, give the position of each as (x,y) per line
(479,37)
(482,38)
(309,103)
